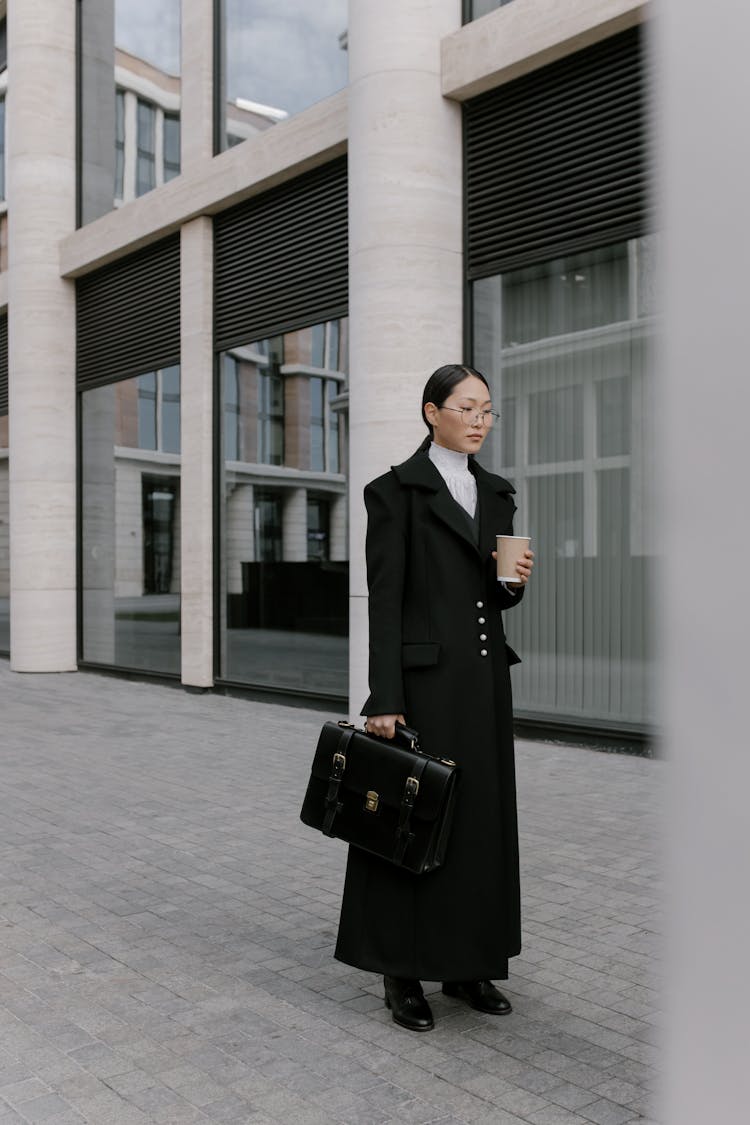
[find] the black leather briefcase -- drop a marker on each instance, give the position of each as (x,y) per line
(385,796)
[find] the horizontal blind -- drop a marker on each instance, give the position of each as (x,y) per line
(557,161)
(281,258)
(3,364)
(128,316)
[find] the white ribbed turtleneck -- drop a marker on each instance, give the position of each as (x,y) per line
(454,469)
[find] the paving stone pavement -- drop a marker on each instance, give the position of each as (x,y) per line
(167,927)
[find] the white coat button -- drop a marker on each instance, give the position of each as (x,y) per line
(483,636)
(481,620)
(483,652)
(480,605)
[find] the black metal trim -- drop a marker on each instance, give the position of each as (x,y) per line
(128,316)
(121,671)
(218,489)
(602,734)
(557,160)
(281,258)
(284,696)
(79,114)
(3,364)
(219,77)
(334,704)
(468,294)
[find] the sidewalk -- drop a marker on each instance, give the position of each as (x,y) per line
(167,926)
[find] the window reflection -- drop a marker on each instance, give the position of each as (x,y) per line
(277,59)
(3,213)
(4,539)
(477,8)
(284,511)
(567,344)
(129,100)
(130,515)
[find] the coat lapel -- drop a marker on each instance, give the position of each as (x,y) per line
(495,508)
(492,497)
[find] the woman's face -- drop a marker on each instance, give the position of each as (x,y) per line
(449,428)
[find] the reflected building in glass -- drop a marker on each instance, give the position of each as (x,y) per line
(250,266)
(284,511)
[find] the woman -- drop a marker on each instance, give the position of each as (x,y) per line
(438,660)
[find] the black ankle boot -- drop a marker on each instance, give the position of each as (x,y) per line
(406,1001)
(479,994)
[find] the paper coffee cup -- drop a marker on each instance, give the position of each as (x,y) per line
(510,548)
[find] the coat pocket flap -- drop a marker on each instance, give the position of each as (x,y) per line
(422,655)
(513,657)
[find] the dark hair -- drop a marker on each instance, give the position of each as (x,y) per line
(443,382)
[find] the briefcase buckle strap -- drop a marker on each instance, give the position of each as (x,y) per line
(404,835)
(332,804)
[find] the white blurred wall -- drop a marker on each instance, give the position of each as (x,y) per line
(703,90)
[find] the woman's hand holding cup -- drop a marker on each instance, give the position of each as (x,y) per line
(516,562)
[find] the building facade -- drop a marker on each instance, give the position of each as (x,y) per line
(239,237)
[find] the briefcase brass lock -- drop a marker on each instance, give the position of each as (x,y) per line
(371,801)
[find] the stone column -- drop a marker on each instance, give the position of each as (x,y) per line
(405,255)
(294,525)
(41,163)
(338,529)
(197,112)
(196,488)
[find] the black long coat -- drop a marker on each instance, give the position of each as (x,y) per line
(438,655)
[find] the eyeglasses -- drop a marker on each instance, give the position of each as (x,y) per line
(471,415)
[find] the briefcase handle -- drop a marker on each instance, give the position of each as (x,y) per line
(404,736)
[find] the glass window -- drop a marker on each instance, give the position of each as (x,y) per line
(129,95)
(270,418)
(333,427)
(284,546)
(556,424)
(130,525)
(231,409)
(317,425)
(147,424)
(332,356)
(159,410)
(277,59)
(319,345)
(318,526)
(171,146)
(4,539)
(567,345)
(2,147)
(170,410)
(119,144)
(613,416)
(268,530)
(145,178)
(473,9)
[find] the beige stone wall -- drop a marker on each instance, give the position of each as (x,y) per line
(41,191)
